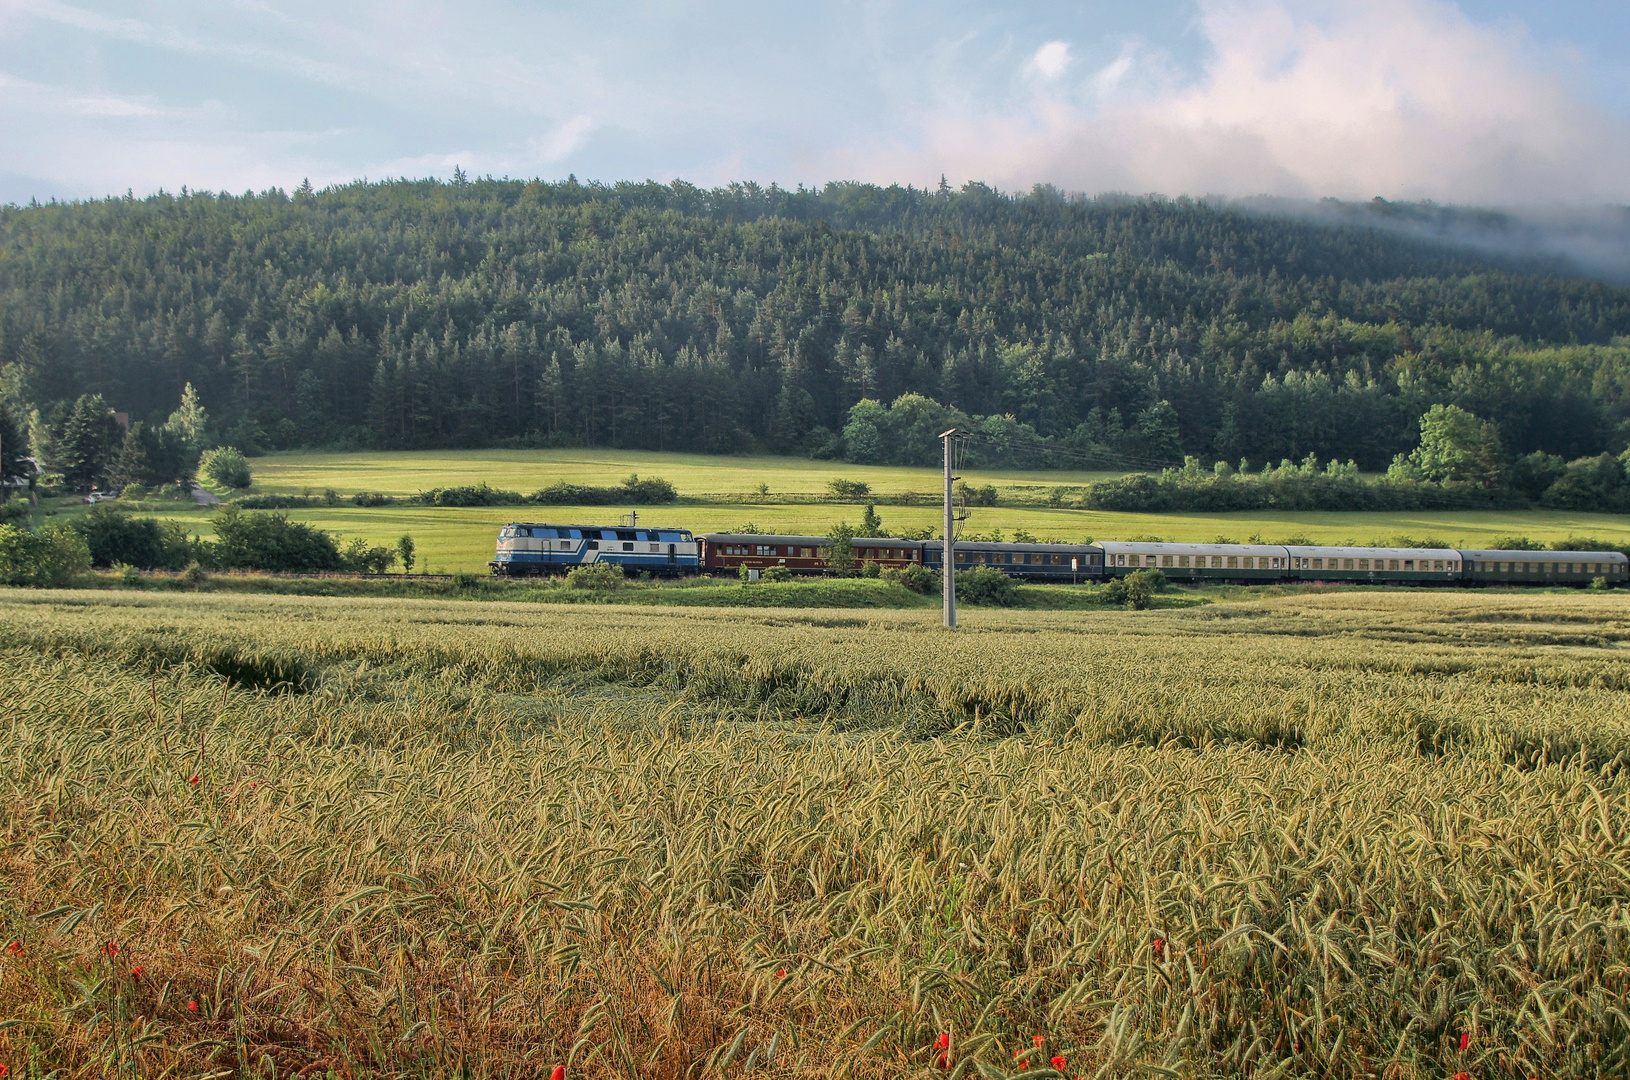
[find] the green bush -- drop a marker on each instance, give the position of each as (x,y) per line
(631,492)
(276,502)
(871,569)
(50,557)
(840,550)
(360,557)
(114,536)
(848,489)
(404,552)
(596,576)
(1133,591)
(268,540)
(976,496)
(985,585)
(469,495)
(919,579)
(765,573)
(227,467)
(371,498)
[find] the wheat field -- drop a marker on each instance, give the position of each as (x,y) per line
(1336,835)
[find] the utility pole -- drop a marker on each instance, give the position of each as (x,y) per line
(948,568)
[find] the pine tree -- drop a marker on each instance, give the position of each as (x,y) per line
(134,465)
(189,422)
(14,464)
(84,445)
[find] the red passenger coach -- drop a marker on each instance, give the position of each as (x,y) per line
(799,554)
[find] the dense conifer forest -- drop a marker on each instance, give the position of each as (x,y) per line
(1112,331)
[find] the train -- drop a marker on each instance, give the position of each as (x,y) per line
(528,549)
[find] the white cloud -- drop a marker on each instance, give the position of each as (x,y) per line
(1051,59)
(1400,98)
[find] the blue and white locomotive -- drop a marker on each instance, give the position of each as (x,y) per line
(526,549)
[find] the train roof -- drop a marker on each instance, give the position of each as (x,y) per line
(1545,556)
(564,525)
(1326,550)
(810,541)
(1151,548)
(1012,545)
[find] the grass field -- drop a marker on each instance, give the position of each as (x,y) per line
(721,493)
(701,476)
(1323,835)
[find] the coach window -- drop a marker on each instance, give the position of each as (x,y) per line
(1165,560)
(1392,564)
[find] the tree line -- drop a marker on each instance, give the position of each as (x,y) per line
(1459,463)
(1134,331)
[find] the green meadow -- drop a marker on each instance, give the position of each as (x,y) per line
(720,493)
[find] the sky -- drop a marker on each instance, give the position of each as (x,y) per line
(1486,102)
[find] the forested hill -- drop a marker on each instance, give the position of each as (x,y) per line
(419,314)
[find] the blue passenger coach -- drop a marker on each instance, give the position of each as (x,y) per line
(526,549)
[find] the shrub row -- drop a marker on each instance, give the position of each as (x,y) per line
(1600,484)
(245,540)
(631,492)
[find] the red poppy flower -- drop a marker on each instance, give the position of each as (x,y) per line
(111,949)
(559,1073)
(135,972)
(192,1006)
(15,948)
(251,783)
(194,779)
(943,1042)
(1058,1062)
(1465,1040)
(1463,1076)
(1160,948)
(1039,1040)
(781,973)
(4,1069)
